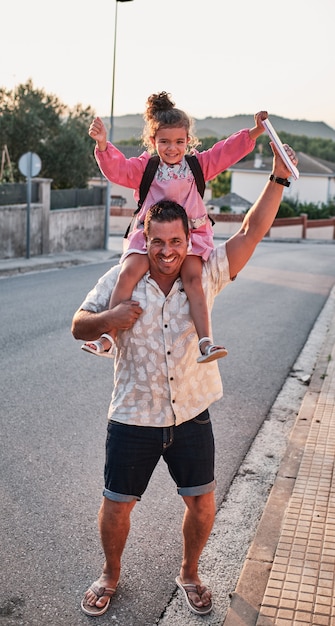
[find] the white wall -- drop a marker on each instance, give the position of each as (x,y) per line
(308,188)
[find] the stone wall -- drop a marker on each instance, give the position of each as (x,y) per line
(61,230)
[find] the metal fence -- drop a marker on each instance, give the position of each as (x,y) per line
(72,198)
(16,193)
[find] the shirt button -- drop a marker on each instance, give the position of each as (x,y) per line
(171,377)
(168,352)
(173,401)
(165,325)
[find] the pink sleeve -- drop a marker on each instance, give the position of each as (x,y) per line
(225,153)
(119,170)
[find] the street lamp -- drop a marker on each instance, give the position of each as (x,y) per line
(108,188)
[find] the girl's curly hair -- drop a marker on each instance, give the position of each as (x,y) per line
(161,113)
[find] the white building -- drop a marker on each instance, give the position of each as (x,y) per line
(316,183)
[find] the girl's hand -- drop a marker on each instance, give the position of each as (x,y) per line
(97,131)
(259,117)
(258,129)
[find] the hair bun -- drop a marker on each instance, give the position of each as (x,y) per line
(158,102)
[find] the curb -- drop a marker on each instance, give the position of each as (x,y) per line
(247,598)
(12,267)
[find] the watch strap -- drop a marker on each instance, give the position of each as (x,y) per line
(280,181)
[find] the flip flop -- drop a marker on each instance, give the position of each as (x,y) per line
(100,350)
(198,589)
(99,592)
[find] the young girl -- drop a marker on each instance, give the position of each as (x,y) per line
(168,131)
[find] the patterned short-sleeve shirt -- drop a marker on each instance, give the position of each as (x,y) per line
(157,380)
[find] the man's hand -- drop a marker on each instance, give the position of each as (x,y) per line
(279,168)
(89,326)
(125,314)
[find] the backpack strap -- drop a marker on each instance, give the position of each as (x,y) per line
(197,172)
(147,178)
(198,177)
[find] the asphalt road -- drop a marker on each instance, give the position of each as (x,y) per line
(53,422)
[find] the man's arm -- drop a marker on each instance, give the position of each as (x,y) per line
(88,326)
(259,218)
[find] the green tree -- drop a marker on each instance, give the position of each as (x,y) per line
(33,121)
(313,146)
(220,185)
(206,142)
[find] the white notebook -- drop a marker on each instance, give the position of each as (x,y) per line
(274,137)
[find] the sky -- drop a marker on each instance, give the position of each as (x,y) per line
(216,58)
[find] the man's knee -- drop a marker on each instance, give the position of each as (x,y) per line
(202,505)
(116,510)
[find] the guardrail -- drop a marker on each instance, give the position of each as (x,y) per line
(305,223)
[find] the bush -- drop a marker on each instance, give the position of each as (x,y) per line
(292,208)
(286,210)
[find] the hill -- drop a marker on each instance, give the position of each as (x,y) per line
(130,126)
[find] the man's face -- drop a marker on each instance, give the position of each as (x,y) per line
(167,248)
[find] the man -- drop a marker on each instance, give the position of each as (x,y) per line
(161,395)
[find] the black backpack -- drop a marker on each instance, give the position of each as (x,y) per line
(148,176)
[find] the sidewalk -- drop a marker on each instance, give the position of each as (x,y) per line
(288,578)
(22,265)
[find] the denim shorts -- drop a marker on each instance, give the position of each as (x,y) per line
(132,453)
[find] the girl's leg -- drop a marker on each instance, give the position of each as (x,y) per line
(191,273)
(133,269)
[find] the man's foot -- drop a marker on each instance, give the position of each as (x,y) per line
(209,351)
(97,598)
(198,597)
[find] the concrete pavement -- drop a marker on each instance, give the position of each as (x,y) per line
(288,577)
(22,265)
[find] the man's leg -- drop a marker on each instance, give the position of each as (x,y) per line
(131,456)
(197,525)
(114,525)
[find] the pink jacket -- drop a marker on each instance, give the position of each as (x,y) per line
(175,183)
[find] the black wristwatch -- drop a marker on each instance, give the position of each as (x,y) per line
(280,181)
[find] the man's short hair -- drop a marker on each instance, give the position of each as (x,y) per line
(166,211)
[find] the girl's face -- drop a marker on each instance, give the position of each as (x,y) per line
(170,144)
